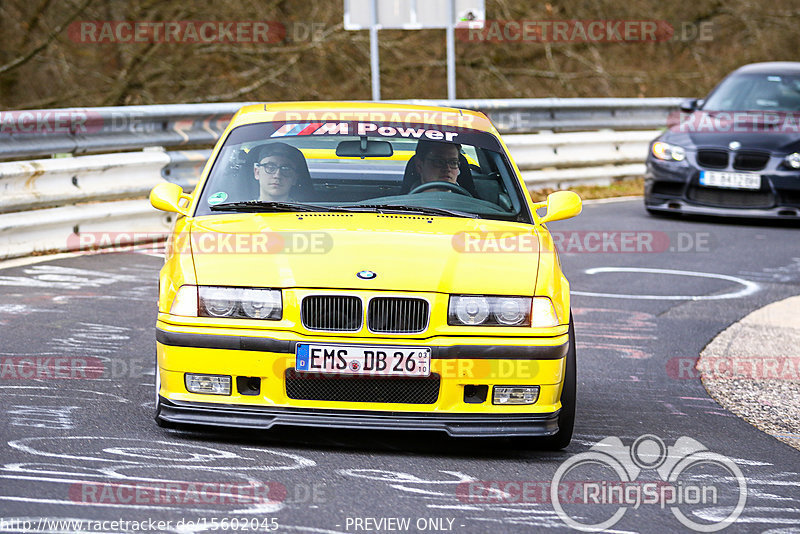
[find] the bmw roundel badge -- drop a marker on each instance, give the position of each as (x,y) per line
(366,275)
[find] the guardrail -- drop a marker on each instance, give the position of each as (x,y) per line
(85,130)
(523,115)
(45,203)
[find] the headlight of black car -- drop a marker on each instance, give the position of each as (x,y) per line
(666,152)
(792,160)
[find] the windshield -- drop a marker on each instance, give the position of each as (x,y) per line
(440,171)
(756,92)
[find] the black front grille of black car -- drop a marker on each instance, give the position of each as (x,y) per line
(730,198)
(396,315)
(715,159)
(790,197)
(332,312)
(349,388)
(750,161)
(673,189)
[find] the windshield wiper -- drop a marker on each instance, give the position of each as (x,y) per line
(381,208)
(266,206)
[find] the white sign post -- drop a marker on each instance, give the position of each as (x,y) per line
(413,15)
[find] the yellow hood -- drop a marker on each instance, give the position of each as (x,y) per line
(327,250)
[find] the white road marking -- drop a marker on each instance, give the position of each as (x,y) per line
(748,287)
(405,478)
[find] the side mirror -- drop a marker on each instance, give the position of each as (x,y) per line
(561,205)
(168,197)
(689,106)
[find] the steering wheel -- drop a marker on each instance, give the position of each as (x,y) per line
(455,188)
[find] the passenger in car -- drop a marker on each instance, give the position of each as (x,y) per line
(282,173)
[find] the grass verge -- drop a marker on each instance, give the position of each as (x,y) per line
(619,188)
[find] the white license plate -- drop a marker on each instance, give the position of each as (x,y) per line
(363,360)
(733,180)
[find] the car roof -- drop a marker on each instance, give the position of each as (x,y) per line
(363,111)
(770,67)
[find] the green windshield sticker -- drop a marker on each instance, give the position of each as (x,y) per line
(217,198)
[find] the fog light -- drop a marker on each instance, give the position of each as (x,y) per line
(515,394)
(208,384)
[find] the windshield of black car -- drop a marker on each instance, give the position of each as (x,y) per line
(286,163)
(756,92)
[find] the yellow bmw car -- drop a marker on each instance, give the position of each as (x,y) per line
(372,266)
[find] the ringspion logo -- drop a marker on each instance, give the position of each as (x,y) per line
(691,477)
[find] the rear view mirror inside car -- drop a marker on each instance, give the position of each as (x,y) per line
(364,149)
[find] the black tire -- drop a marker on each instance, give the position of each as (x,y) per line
(566,417)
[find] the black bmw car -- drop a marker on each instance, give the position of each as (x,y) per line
(736,153)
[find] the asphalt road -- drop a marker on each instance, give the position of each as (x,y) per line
(86,448)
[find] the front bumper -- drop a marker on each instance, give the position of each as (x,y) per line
(265,417)
(685,207)
(673,187)
(459,364)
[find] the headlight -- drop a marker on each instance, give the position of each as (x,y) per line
(228,302)
(469,310)
(667,152)
(792,160)
(512,311)
(217,301)
(486,310)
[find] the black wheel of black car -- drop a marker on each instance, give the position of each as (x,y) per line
(566,417)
